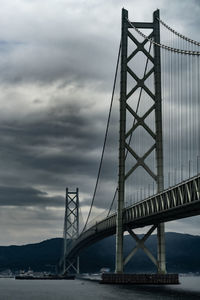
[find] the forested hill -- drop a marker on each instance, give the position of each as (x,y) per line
(182,255)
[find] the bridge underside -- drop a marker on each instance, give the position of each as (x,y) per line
(179,202)
(184,212)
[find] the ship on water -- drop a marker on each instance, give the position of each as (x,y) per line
(30,275)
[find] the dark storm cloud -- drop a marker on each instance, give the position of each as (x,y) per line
(39,223)
(27,196)
(55,149)
(77,48)
(47,63)
(54,142)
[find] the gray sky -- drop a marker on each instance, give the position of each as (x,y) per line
(57,60)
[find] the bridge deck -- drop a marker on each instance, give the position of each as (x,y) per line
(180,201)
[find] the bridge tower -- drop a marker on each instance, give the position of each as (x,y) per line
(124,146)
(71,229)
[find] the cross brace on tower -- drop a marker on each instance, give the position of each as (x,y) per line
(124,146)
(71,229)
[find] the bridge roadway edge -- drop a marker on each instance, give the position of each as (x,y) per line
(141,222)
(99,231)
(134,225)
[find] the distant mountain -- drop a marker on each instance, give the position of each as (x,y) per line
(40,256)
(182,255)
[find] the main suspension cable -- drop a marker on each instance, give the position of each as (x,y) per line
(179,34)
(105,138)
(181,51)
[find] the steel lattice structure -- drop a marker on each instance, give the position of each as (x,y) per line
(71,229)
(139,121)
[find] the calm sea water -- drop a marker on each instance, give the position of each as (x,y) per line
(11,289)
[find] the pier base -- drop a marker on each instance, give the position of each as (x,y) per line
(113,278)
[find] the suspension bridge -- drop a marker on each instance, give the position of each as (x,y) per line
(159,147)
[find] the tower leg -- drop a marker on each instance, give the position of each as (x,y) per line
(119,249)
(161,248)
(78,266)
(121,175)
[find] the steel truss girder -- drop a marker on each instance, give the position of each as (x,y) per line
(178,196)
(147,212)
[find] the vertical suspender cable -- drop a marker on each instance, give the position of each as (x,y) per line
(181,115)
(170,116)
(198,122)
(187,125)
(190,111)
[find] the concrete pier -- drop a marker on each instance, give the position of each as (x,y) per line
(113,278)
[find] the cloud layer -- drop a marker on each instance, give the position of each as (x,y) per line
(57,61)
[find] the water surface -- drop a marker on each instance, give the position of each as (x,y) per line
(11,289)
